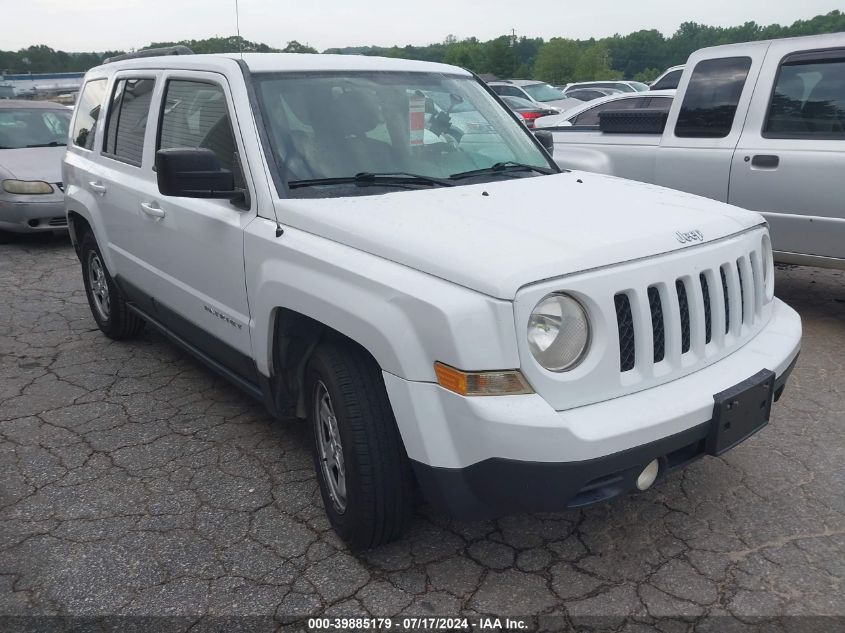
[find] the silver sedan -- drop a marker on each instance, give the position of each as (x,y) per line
(33,136)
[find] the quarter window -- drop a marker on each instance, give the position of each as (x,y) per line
(809,98)
(87,113)
(195,114)
(127,119)
(711,98)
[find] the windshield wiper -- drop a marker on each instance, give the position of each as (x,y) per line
(50,144)
(397,179)
(500,168)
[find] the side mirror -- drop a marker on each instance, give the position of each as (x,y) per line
(547,140)
(193,173)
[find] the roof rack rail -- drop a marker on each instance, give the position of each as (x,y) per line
(151,52)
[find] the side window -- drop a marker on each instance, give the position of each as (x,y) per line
(127,120)
(669,81)
(711,98)
(664,104)
(87,112)
(809,98)
(591,116)
(195,114)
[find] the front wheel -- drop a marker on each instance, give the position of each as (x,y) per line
(364,474)
(105,299)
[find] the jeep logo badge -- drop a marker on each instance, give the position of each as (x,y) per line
(690,236)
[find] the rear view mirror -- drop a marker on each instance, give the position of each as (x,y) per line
(547,140)
(193,173)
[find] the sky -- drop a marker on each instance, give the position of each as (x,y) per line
(97,25)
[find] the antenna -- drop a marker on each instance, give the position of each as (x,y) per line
(238,28)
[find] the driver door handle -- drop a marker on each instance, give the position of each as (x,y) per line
(152,209)
(97,187)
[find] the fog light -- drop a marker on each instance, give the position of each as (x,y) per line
(648,475)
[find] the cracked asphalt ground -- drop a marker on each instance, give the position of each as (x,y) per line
(136,482)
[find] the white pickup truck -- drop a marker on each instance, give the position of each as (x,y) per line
(758,125)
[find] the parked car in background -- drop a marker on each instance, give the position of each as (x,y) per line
(529,111)
(588,94)
(33,136)
(669,79)
(759,125)
(587,114)
(620,84)
(436,321)
(538,92)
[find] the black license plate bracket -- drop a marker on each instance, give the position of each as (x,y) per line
(741,411)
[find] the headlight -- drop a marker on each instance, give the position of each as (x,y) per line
(558,332)
(27,187)
(768,267)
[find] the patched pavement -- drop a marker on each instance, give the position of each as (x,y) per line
(136,482)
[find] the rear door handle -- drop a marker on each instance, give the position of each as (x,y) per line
(97,187)
(765,161)
(152,209)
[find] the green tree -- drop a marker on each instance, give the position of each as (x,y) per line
(557,61)
(594,63)
(295,47)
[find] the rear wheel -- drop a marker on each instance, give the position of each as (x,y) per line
(107,303)
(364,473)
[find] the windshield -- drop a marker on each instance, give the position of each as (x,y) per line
(33,128)
(336,125)
(544,92)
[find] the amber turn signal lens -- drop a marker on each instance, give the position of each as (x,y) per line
(482,383)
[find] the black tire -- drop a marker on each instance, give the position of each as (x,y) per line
(117,322)
(380,489)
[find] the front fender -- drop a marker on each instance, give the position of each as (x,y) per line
(405,318)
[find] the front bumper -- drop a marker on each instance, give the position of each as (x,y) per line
(32,217)
(480,457)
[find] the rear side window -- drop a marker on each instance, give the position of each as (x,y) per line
(127,120)
(591,116)
(195,114)
(669,81)
(711,98)
(87,112)
(809,97)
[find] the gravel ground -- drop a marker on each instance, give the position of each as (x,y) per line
(136,482)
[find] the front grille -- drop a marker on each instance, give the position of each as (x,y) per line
(60,221)
(658,331)
(60,186)
(694,323)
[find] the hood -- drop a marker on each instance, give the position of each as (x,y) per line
(497,237)
(33,163)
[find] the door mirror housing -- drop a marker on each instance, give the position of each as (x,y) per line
(547,140)
(193,173)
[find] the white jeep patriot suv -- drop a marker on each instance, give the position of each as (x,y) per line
(324,232)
